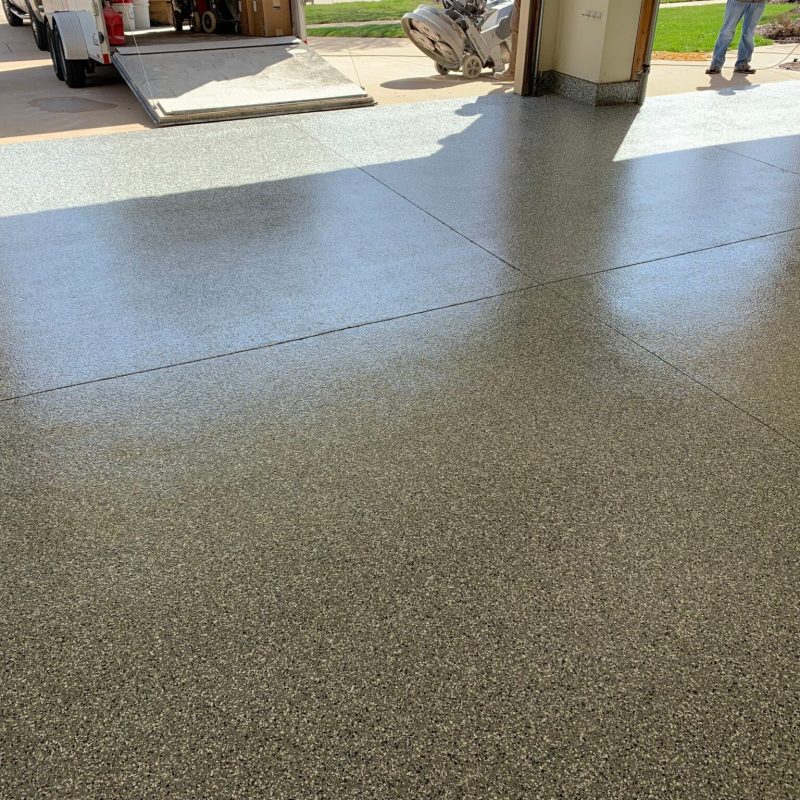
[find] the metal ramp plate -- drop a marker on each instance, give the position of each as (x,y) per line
(203,78)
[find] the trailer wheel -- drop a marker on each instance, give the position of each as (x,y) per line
(177,20)
(442,70)
(39,33)
(74,74)
(53,46)
(73,70)
(209,20)
(197,23)
(13,19)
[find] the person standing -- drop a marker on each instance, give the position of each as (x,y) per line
(749,12)
(508,74)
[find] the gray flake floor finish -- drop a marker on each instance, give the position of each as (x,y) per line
(315,483)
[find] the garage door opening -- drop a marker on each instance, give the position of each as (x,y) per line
(417,50)
(686,36)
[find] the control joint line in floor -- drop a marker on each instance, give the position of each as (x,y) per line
(586,310)
(584,274)
(265,345)
(546,284)
(449,226)
(556,281)
(519,269)
(758,160)
(433,216)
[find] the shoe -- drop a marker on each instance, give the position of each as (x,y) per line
(508,75)
(744,69)
(713,71)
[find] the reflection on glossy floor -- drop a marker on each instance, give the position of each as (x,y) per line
(446,450)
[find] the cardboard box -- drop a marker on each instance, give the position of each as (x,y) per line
(248,22)
(277,15)
(266,18)
(161,12)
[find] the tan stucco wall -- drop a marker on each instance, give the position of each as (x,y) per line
(598,49)
(622,26)
(550,15)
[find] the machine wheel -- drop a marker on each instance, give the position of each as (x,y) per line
(177,21)
(74,71)
(197,22)
(39,33)
(209,20)
(441,70)
(54,46)
(471,67)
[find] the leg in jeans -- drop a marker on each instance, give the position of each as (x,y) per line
(751,17)
(734,11)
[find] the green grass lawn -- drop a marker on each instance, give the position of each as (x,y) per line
(359,12)
(680,30)
(390,31)
(694,30)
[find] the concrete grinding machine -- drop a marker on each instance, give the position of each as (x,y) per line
(466,35)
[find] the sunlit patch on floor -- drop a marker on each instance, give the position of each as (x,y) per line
(70,105)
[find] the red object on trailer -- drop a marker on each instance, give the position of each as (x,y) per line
(114,27)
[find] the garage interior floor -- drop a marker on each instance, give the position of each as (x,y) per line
(437,450)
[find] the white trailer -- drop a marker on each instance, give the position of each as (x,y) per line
(183,76)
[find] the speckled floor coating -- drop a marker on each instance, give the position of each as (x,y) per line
(536,545)
(283,239)
(599,187)
(729,316)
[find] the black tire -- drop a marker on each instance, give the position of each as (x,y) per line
(55,46)
(14,20)
(178,21)
(441,70)
(39,33)
(74,70)
(75,74)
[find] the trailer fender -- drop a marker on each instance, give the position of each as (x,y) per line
(71,32)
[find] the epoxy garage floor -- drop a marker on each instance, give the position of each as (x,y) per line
(444,450)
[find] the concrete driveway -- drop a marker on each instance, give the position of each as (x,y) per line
(36,105)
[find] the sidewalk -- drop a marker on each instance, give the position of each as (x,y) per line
(366,24)
(678,76)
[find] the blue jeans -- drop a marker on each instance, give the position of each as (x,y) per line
(750,14)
